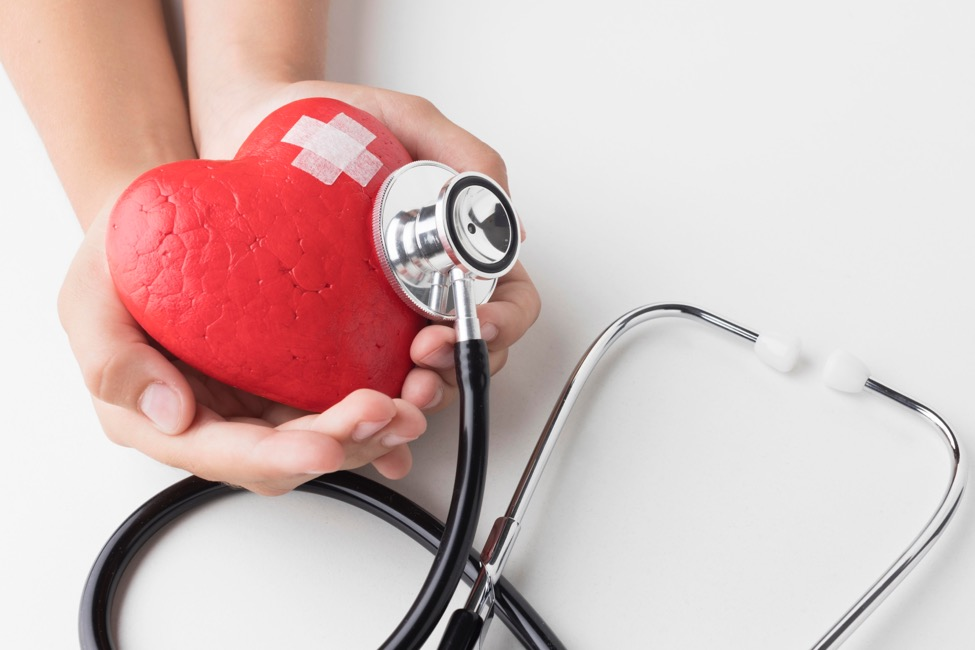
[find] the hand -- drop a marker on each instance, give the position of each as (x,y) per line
(185,419)
(427,135)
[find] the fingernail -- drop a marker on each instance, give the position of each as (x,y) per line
(437,398)
(160,403)
(489,331)
(442,358)
(393,440)
(365,430)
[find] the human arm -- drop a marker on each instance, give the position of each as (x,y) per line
(99,81)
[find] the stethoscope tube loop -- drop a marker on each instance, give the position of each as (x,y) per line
(94,624)
(374,498)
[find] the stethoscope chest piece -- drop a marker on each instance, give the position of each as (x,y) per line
(429,221)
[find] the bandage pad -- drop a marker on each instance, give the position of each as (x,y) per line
(261,271)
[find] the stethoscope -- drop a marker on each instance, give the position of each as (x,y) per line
(444,258)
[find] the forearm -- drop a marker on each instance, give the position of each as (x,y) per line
(254,39)
(238,49)
(99,82)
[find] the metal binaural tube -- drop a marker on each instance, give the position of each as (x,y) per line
(867,603)
(499,544)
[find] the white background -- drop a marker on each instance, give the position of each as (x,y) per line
(802,167)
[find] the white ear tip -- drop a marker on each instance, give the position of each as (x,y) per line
(845,372)
(778,351)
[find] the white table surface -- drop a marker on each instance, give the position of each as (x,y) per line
(801,167)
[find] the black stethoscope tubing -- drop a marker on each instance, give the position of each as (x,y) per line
(356,490)
(451,541)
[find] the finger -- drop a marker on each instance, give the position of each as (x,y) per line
(248,454)
(427,390)
(428,135)
(368,441)
(513,309)
(358,416)
(433,347)
(432,390)
(117,362)
(432,385)
(368,424)
(396,464)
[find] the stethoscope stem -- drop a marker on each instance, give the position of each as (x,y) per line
(466,325)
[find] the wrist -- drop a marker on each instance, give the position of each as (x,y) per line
(222,117)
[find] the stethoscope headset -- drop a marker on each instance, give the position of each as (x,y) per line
(444,258)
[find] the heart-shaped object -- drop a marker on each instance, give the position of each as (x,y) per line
(261,271)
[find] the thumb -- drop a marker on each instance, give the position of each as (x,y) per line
(117,362)
(429,135)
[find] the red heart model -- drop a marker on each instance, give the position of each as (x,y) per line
(261,271)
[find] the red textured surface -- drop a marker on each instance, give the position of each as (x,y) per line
(262,276)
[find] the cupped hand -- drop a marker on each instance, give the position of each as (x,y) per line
(427,135)
(148,401)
